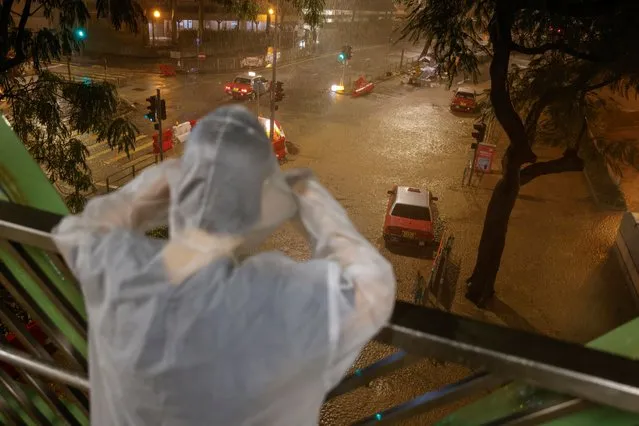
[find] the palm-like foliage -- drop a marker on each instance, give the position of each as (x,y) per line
(52,114)
(577,46)
(310,10)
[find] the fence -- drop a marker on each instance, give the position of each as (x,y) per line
(31,268)
(440,287)
(228,64)
(119,178)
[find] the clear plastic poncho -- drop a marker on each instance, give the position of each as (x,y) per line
(187,331)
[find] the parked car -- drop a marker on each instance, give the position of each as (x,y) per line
(247,86)
(409,217)
(464,100)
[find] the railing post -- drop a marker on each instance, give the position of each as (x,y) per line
(107,184)
(133,170)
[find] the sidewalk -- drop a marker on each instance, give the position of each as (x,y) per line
(622,124)
(558,275)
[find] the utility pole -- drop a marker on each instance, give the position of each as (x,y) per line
(274,78)
(258,101)
(158,117)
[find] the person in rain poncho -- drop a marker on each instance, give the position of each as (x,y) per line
(187,331)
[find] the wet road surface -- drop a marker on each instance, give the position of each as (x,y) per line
(192,96)
(556,278)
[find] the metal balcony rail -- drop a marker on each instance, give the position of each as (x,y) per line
(496,354)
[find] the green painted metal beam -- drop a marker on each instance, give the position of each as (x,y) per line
(517,397)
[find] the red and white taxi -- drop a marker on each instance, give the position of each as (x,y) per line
(409,218)
(464,100)
(247,86)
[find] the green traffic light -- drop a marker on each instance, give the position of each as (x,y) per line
(80,33)
(341,57)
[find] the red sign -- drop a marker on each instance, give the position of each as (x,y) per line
(201,56)
(484,157)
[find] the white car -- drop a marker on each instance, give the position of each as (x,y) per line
(252,61)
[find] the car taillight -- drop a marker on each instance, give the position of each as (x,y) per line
(243,90)
(394,230)
(427,235)
(227,87)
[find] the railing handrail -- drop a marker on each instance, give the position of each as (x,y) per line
(129,166)
(45,369)
(555,365)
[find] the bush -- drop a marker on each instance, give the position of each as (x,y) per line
(161,233)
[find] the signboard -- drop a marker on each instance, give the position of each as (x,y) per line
(269,55)
(201,56)
(484,157)
(175,54)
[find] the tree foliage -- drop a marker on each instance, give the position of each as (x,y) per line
(247,10)
(577,47)
(51,114)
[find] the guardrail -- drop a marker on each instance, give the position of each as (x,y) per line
(117,179)
(496,354)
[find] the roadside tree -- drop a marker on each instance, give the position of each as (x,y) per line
(577,47)
(51,114)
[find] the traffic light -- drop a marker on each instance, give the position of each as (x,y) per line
(349,52)
(341,57)
(80,33)
(152,108)
(279,91)
(479,132)
(163,109)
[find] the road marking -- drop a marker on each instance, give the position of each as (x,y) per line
(107,149)
(122,155)
(103,184)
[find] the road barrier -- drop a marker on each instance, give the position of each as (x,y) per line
(440,287)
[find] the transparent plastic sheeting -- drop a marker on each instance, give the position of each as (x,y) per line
(183,332)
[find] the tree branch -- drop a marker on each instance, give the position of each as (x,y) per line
(604,83)
(20,56)
(560,47)
(5,14)
(519,151)
(569,162)
(568,8)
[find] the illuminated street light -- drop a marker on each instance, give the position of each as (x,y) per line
(156,13)
(270,11)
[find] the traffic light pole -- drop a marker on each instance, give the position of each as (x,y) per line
(472,165)
(341,82)
(274,78)
(158,117)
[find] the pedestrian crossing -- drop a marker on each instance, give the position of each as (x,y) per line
(102,150)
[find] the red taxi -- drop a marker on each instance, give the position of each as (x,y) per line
(279,141)
(247,86)
(409,218)
(464,100)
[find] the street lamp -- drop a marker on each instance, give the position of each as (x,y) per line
(156,14)
(271,11)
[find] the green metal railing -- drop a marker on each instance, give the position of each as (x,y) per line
(602,386)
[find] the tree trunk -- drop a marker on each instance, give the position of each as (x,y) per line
(493,238)
(173,22)
(200,19)
(429,41)
(481,283)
